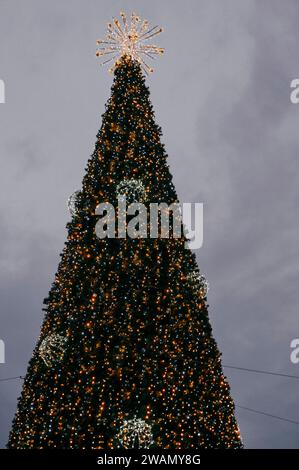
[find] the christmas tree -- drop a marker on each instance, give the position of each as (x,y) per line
(126,357)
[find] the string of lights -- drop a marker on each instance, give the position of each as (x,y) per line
(245,369)
(125,353)
(252,410)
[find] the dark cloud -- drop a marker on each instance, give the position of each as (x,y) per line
(221,95)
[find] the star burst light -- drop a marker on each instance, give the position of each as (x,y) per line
(129,37)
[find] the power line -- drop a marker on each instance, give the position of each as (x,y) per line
(267,372)
(11,378)
(267,414)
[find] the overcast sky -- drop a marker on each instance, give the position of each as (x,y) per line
(222,96)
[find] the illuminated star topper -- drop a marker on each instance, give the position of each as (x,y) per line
(129,37)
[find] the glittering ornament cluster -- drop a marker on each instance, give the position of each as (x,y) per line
(198,283)
(132,190)
(73,202)
(129,37)
(135,433)
(52,349)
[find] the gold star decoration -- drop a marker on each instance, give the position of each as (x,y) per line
(129,37)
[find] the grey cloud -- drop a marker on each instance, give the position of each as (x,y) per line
(221,95)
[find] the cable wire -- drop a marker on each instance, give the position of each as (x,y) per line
(262,371)
(267,414)
(11,378)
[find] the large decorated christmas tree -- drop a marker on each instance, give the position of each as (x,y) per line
(126,356)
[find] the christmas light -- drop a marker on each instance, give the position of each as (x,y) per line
(129,37)
(131,190)
(127,356)
(73,201)
(52,349)
(198,283)
(135,433)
